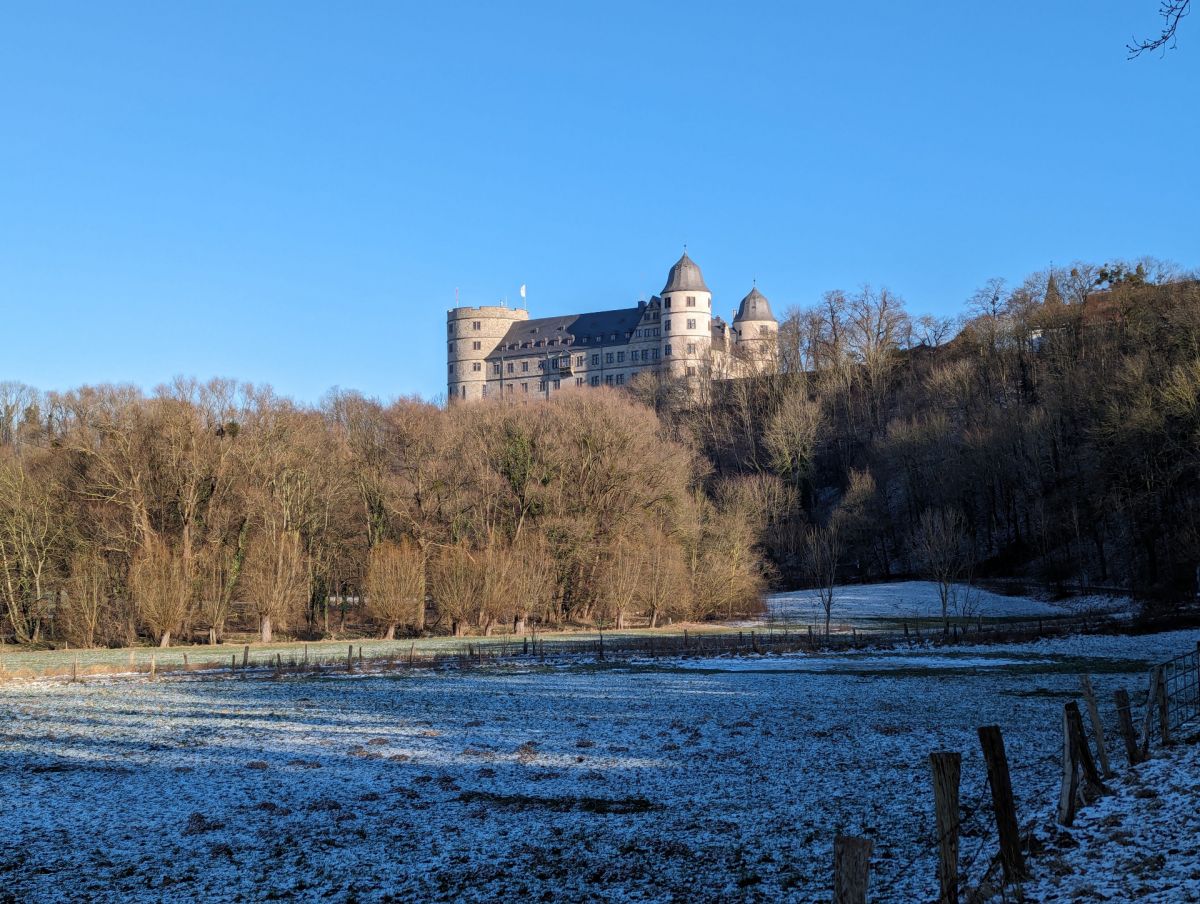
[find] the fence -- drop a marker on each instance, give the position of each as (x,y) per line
(1180,679)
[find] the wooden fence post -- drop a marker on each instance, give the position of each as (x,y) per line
(233,662)
(186,665)
(1077,764)
(1068,798)
(947,769)
(153,667)
(350,658)
(1151,700)
(246,656)
(1125,723)
(851,869)
(1003,805)
(1089,698)
(75,669)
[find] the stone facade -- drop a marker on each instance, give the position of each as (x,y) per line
(498,352)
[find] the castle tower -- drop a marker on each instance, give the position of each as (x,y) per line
(756,331)
(686,321)
(472,335)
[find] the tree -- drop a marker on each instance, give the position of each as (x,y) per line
(823,552)
(161,588)
(455,584)
(277,580)
(941,543)
(87,598)
(395,586)
(1171,12)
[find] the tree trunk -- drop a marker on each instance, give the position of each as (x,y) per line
(458,628)
(212,636)
(267,634)
(519,625)
(621,621)
(165,640)
(390,633)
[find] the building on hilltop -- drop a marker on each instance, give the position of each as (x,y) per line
(501,352)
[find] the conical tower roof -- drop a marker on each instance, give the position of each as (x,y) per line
(685,276)
(754,307)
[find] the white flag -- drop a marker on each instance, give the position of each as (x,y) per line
(522,290)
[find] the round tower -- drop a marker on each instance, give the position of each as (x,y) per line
(755,329)
(686,320)
(472,335)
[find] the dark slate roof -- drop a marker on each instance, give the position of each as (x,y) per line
(685,276)
(754,307)
(598,328)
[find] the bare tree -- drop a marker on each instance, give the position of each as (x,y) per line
(161,588)
(277,580)
(823,550)
(941,543)
(395,586)
(1171,12)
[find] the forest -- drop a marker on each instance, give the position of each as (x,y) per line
(1048,436)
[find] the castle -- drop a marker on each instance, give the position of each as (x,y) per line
(496,351)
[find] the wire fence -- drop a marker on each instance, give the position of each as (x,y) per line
(1181,680)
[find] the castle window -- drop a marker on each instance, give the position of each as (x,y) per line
(557,384)
(612,337)
(483,389)
(541,385)
(476,366)
(450,328)
(583,338)
(645,354)
(579,381)
(691,371)
(620,379)
(667,351)
(666,326)
(691,302)
(510,389)
(691,348)
(608,380)
(510,367)
(524,387)
(654,353)
(595,360)
(608,358)
(764,331)
(667,302)
(524,367)
(639,334)
(476,325)
(620,357)
(596,380)
(691,324)
(450,347)
(451,369)
(564,361)
(495,368)
(477,345)
(579,360)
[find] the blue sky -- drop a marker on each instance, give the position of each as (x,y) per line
(291,193)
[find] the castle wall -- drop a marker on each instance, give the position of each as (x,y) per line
(471,335)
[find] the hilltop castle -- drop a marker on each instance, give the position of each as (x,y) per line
(496,351)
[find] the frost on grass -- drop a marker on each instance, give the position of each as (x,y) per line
(557,784)
(1137,845)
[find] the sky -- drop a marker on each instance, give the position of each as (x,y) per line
(295,193)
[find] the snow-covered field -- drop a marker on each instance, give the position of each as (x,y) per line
(912,600)
(1137,845)
(656,781)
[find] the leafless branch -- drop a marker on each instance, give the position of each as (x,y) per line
(1171,11)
